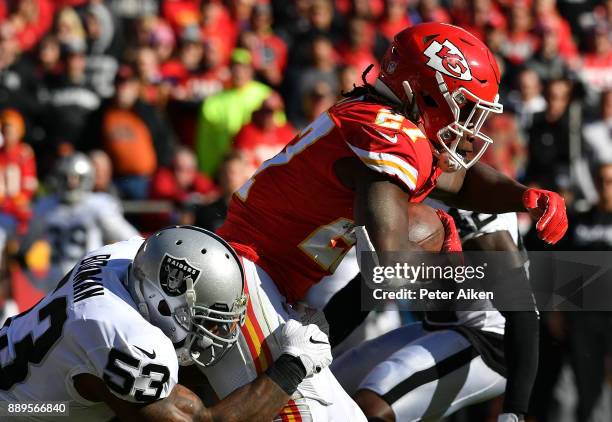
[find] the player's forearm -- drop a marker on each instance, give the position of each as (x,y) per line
(486,190)
(380,206)
(260,400)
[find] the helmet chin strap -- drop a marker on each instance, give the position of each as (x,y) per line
(408,90)
(190,294)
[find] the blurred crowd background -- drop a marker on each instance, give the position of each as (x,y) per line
(177,102)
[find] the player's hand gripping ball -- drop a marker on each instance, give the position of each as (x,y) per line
(452,243)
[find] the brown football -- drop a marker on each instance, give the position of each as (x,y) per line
(425,227)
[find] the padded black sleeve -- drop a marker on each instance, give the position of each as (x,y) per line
(343,311)
(521,347)
(521,339)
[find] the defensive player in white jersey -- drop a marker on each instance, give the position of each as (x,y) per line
(426,371)
(82,220)
(111,336)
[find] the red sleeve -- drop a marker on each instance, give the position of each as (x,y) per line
(384,141)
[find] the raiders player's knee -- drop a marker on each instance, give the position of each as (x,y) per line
(374,407)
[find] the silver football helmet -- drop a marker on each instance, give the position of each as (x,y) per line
(189,283)
(74,177)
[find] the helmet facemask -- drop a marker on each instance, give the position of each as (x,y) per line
(212,331)
(470,113)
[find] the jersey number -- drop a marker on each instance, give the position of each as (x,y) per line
(328,244)
(67,243)
(311,134)
(28,350)
(118,376)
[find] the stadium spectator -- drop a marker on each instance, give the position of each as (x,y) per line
(508,153)
(188,60)
(72,99)
(70,30)
(348,77)
(393,19)
(521,43)
(264,136)
(269,51)
(103,48)
(598,134)
(528,99)
(156,33)
(217,126)
(233,173)
(197,73)
(18,84)
(49,60)
(18,180)
(31,19)
(432,11)
(152,89)
(126,128)
(103,172)
(180,13)
(182,182)
(548,136)
(358,47)
(548,62)
(320,24)
(216,24)
(316,101)
(596,64)
(321,69)
(546,14)
(475,16)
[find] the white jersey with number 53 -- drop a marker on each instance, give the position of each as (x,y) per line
(88,325)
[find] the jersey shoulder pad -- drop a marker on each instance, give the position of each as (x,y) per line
(385,141)
(136,361)
(126,249)
(103,203)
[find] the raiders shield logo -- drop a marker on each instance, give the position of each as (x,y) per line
(173,274)
(448,59)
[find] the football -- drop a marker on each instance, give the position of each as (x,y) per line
(425,228)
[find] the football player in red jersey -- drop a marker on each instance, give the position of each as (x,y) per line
(415,132)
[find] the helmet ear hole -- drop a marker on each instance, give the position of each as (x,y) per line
(163,308)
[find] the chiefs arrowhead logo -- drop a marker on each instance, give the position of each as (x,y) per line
(448,59)
(173,274)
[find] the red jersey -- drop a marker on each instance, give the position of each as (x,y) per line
(297,217)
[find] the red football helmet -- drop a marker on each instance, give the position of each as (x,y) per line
(453,78)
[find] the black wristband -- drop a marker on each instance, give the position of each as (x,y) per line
(287,372)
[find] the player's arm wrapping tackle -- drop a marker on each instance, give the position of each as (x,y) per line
(305,350)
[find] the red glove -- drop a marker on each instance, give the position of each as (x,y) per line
(548,209)
(452,243)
